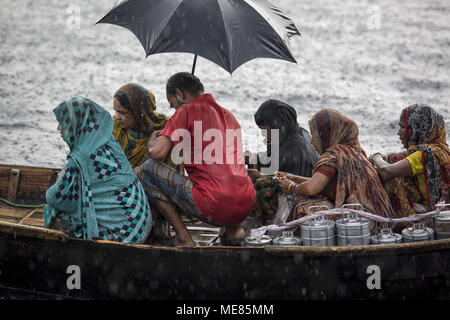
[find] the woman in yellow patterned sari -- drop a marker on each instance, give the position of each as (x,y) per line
(135,120)
(419,178)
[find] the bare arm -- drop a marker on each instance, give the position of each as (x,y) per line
(292,177)
(299,179)
(388,171)
(313,186)
(403,153)
(159,148)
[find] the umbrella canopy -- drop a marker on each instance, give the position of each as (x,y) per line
(227,32)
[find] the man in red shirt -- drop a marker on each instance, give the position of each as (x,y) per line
(218,189)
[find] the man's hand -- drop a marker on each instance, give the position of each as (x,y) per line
(159,148)
(155,134)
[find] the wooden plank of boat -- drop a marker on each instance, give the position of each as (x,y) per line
(13,213)
(13,184)
(34,218)
(32,183)
(28,215)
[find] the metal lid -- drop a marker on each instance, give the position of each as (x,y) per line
(386,236)
(252,242)
(348,205)
(417,232)
(319,223)
(352,221)
(287,238)
(444,216)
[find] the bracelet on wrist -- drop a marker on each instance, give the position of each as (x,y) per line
(293,189)
(290,187)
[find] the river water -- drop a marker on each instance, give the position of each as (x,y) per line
(368,59)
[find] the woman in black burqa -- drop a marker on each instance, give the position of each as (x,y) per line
(296,155)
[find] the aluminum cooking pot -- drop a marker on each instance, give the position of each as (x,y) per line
(418,232)
(287,238)
(442,225)
(386,236)
(318,232)
(353,230)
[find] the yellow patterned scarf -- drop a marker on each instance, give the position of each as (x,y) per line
(142,106)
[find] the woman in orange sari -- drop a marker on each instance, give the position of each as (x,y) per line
(343,173)
(420,177)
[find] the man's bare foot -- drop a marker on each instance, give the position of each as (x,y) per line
(184,243)
(234,232)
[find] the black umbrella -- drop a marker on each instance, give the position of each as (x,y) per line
(227,32)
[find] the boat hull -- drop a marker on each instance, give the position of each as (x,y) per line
(117,271)
(37,259)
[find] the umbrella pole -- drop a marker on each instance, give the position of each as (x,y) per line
(193,65)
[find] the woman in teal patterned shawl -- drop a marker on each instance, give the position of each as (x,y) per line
(98,195)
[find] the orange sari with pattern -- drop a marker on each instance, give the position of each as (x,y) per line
(357,180)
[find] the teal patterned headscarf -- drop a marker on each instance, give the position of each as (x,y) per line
(98,195)
(79,119)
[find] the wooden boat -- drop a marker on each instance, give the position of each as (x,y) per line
(37,259)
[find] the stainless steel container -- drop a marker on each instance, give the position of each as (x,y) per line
(442,225)
(386,236)
(265,241)
(287,238)
(418,232)
(318,232)
(353,230)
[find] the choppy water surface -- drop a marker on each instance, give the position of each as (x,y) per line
(368,59)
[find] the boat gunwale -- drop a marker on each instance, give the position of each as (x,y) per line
(366,250)
(12,166)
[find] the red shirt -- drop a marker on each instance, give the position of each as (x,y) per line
(222,188)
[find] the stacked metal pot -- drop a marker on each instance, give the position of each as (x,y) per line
(353,230)
(418,232)
(442,225)
(385,236)
(318,232)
